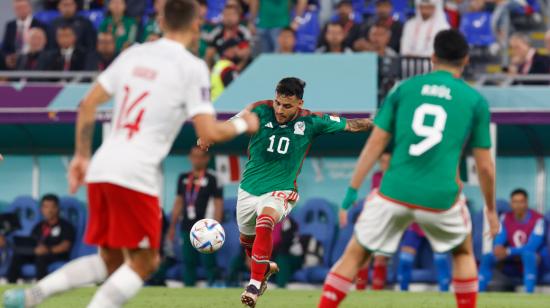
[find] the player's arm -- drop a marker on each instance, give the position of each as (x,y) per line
(205,143)
(85,124)
(486,173)
(358,125)
(209,130)
(369,155)
(62,247)
(176,214)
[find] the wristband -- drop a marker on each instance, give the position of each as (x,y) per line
(240,125)
(349,199)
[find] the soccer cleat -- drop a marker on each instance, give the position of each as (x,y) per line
(272,269)
(14,298)
(250,296)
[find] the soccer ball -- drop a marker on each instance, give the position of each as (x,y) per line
(207,235)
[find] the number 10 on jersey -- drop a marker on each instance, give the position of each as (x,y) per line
(282,145)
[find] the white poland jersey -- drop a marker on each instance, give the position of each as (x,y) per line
(156,87)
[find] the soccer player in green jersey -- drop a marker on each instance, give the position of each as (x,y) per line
(431,117)
(268,190)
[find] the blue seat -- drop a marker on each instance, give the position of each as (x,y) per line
(545,255)
(229,210)
(424,270)
(214,11)
(345,234)
(476,26)
(477,234)
(28,211)
(47,16)
(231,248)
(503,206)
(308,32)
(95,16)
(318,219)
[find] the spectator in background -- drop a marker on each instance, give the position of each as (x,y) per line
(83,28)
(54,238)
(123,28)
(153,26)
(345,17)
(286,41)
(420,31)
(134,8)
(37,43)
(334,40)
(268,17)
(52,4)
(230,29)
(68,56)
(225,70)
(384,15)
(197,190)
(519,242)
(547,41)
(15,40)
(377,41)
(525,59)
(104,54)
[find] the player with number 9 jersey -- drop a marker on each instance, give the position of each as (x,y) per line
(432,117)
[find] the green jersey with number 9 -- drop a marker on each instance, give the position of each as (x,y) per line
(431,118)
(277,151)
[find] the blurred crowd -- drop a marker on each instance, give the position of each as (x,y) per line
(86,35)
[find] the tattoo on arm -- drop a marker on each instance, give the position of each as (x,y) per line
(84,139)
(358,125)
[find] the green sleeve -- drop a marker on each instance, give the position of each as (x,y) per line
(386,115)
(104,24)
(327,124)
(481,135)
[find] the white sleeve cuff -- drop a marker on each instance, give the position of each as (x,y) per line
(201,109)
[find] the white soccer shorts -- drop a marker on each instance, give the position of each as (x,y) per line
(382,222)
(250,206)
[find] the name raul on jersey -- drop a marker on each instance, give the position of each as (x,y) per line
(437,91)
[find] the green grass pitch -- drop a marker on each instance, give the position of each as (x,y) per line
(213,298)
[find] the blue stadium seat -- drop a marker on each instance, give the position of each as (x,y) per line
(476,26)
(344,235)
(545,266)
(477,234)
(229,210)
(308,32)
(46,16)
(424,269)
(27,209)
(318,219)
(95,16)
(503,206)
(231,248)
(214,12)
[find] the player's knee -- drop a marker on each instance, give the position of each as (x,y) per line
(271,212)
(355,254)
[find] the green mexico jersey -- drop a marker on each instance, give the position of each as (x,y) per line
(276,151)
(431,118)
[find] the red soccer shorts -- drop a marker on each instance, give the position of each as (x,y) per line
(122,218)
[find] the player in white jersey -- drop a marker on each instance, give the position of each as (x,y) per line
(156,87)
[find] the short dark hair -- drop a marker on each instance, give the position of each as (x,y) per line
(50,197)
(66,26)
(234,6)
(291,86)
(381,24)
(335,23)
(450,46)
(288,29)
(179,14)
(519,191)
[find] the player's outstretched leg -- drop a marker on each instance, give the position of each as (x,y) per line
(465,275)
(127,280)
(82,271)
(261,267)
(340,278)
(443,270)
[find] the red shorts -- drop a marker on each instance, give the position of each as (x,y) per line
(122,218)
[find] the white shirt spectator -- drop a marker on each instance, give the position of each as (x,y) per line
(419,33)
(157,86)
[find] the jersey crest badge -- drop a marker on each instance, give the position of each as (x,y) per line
(270,125)
(299,128)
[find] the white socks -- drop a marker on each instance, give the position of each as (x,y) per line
(123,284)
(77,273)
(256,283)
